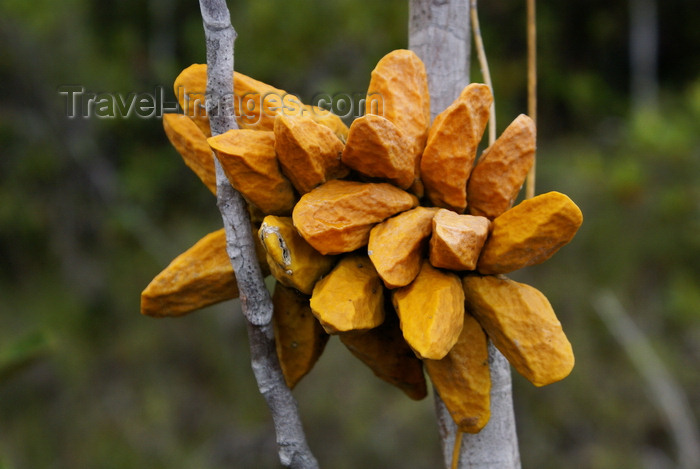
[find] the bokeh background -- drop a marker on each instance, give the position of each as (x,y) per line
(92,209)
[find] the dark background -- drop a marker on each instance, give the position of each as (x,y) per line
(92,209)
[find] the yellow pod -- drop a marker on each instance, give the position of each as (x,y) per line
(397,245)
(501,170)
(530,233)
(199,277)
(463,380)
(255,103)
(308,152)
(431,310)
(450,151)
(299,337)
(293,262)
(337,216)
(350,297)
(522,325)
(189,140)
(249,160)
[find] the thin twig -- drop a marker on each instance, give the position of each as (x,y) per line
(255,299)
(666,393)
(457,450)
(531,85)
(484,64)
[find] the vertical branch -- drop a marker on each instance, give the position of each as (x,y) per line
(255,299)
(220,37)
(531,85)
(496,445)
(439,33)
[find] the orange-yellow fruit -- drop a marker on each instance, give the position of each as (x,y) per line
(293,262)
(259,104)
(350,297)
(385,351)
(398,90)
(337,216)
(457,240)
(500,172)
(189,140)
(255,105)
(450,152)
(462,378)
(530,233)
(250,162)
(377,148)
(309,153)
(199,277)
(190,89)
(522,325)
(327,119)
(396,246)
(299,338)
(431,310)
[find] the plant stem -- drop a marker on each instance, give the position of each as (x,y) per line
(531,85)
(484,64)
(439,33)
(255,299)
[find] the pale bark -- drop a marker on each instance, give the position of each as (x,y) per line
(255,299)
(439,33)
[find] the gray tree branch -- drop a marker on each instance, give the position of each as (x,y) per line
(255,299)
(439,32)
(665,391)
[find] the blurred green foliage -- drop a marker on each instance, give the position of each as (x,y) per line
(92,209)
(16,356)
